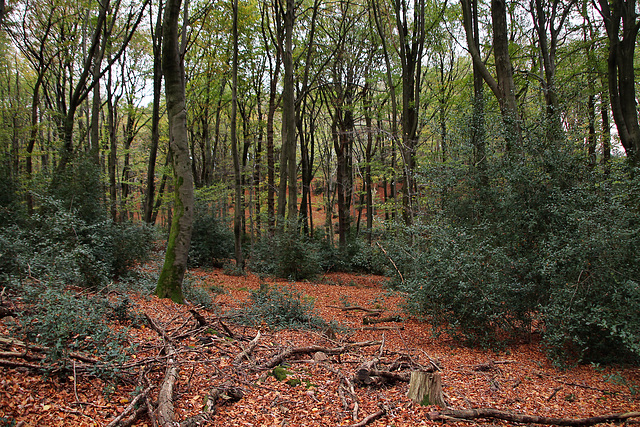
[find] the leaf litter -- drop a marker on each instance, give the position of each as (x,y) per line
(518,378)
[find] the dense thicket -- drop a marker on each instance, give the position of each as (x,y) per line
(484,153)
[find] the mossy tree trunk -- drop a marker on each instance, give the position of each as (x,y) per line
(175,262)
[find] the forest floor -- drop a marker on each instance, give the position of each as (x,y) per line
(518,378)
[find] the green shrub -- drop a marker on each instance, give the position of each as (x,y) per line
(194,292)
(356,256)
(466,286)
(65,322)
(544,243)
(211,242)
(280,307)
(56,247)
(286,255)
(128,244)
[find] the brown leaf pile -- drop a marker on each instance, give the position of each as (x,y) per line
(519,378)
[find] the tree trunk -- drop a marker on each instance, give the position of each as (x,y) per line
(113,150)
(175,263)
(288,163)
(621,76)
(238,210)
(156,37)
(503,88)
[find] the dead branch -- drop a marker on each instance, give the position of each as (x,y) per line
(202,322)
(383,328)
(358,308)
(166,415)
(371,321)
(247,351)
(371,418)
(12,364)
(131,419)
(390,259)
(284,355)
(129,409)
(363,373)
(490,413)
(391,376)
(9,341)
(157,328)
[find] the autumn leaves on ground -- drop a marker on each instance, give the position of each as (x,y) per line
(222,368)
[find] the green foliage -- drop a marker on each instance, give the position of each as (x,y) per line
(194,291)
(544,245)
(287,255)
(127,244)
(211,241)
(7,422)
(356,256)
(78,189)
(280,307)
(57,247)
(65,322)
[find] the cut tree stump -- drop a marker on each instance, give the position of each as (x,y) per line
(425,388)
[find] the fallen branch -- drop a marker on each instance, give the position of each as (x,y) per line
(371,321)
(371,418)
(281,357)
(390,259)
(9,341)
(129,409)
(383,328)
(490,413)
(358,308)
(166,415)
(247,351)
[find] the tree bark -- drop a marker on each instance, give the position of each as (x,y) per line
(175,263)
(425,388)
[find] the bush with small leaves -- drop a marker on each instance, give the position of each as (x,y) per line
(194,291)
(66,322)
(211,241)
(287,255)
(280,307)
(56,247)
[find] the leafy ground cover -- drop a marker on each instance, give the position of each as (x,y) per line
(517,378)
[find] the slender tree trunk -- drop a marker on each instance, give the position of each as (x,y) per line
(175,263)
(504,87)
(238,210)
(591,137)
(477,120)
(288,163)
(368,158)
(156,37)
(606,134)
(113,150)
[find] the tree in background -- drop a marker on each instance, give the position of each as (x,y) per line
(175,262)
(620,19)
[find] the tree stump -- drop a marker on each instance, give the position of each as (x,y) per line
(425,388)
